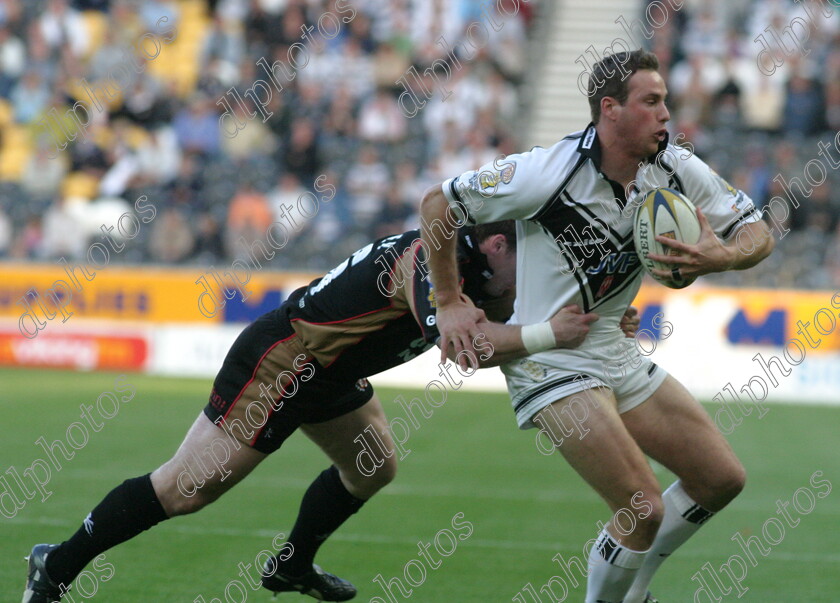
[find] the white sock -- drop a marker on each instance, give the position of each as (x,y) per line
(683,517)
(612,568)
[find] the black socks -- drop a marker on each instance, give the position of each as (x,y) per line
(130,508)
(326,505)
(133,507)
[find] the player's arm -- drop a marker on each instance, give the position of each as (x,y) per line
(732,234)
(457,318)
(498,343)
(513,187)
(750,244)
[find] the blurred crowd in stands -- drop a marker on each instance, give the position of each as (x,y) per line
(759,126)
(337,127)
(341,128)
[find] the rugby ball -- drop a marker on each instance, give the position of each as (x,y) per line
(664,212)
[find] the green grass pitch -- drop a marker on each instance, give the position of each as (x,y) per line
(468,458)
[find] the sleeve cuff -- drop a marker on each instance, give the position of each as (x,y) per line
(456,200)
(751,215)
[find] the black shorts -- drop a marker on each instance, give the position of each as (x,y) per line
(270,384)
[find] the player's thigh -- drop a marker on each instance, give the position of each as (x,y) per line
(206,465)
(603,453)
(342,439)
(675,430)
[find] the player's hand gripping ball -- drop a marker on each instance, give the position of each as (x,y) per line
(664,212)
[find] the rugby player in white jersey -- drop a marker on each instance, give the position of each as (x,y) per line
(575,246)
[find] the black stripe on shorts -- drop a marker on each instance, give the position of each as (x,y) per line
(549,386)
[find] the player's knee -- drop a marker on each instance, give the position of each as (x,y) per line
(184,506)
(186,503)
(716,489)
(365,486)
(383,476)
(388,471)
(176,498)
(730,483)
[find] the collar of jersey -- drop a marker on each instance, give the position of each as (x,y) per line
(590,146)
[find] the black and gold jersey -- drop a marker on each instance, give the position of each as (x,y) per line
(306,361)
(376,309)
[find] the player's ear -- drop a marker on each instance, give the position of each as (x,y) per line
(608,107)
(500,243)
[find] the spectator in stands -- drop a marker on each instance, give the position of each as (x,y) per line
(126,23)
(64,234)
(393,216)
(42,176)
(803,111)
(283,201)
(263,27)
(389,65)
(249,216)
(28,242)
(12,60)
(816,212)
(197,126)
(151,11)
(209,245)
(253,140)
(62,25)
(158,156)
(171,240)
(300,155)
(338,140)
(148,102)
(224,43)
(367,181)
(381,120)
(30,98)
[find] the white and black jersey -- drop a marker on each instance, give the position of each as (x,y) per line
(575,241)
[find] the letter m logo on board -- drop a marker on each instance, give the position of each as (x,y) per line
(769,331)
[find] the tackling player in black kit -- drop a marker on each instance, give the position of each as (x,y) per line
(303,365)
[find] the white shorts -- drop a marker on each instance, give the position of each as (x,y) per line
(536,381)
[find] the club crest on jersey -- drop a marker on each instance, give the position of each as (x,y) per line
(362,385)
(490,179)
(533,369)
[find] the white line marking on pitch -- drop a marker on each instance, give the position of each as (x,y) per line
(405,541)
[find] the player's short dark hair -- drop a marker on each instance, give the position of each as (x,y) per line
(615,71)
(505,227)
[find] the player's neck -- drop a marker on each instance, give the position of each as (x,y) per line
(617,162)
(621,169)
